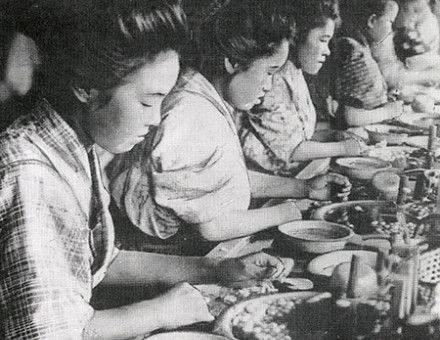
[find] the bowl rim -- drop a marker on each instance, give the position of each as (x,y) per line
(369,128)
(302,225)
(176,333)
(313,263)
(384,164)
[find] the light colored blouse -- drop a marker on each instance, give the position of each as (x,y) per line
(271,131)
(195,171)
(57,233)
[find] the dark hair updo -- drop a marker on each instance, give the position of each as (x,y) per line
(311,14)
(242,31)
(96,45)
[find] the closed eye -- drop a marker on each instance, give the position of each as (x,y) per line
(146,105)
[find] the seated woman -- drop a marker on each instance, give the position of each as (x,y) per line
(105,86)
(277,135)
(417,34)
(367,68)
(196,168)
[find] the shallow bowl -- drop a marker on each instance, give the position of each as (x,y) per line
(316,237)
(393,135)
(362,168)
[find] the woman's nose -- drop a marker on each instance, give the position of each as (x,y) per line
(267,86)
(155,118)
(327,51)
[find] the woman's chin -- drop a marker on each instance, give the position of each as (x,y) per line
(313,70)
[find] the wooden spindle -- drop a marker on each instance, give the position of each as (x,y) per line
(431,145)
(420,187)
(354,276)
(403,187)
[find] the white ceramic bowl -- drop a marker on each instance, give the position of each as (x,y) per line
(323,265)
(316,237)
(363,168)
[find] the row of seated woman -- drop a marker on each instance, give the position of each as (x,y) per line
(223,137)
(200,131)
(222,142)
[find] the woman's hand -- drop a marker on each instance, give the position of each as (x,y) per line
(332,106)
(246,270)
(180,306)
(330,186)
(354,147)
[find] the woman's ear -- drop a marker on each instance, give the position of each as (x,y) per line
(85,96)
(231,69)
(372,21)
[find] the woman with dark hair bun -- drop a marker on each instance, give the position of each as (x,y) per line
(196,168)
(106,74)
(278,135)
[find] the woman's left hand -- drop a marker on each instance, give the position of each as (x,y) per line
(246,270)
(330,186)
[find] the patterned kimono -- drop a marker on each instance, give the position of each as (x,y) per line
(193,171)
(271,131)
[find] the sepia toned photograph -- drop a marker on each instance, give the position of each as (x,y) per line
(219,169)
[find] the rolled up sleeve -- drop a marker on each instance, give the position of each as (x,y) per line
(194,173)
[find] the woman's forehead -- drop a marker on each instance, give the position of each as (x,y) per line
(156,76)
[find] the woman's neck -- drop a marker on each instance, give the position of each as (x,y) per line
(219,84)
(73,114)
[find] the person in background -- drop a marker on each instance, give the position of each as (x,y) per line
(360,87)
(196,167)
(418,36)
(435,7)
(367,68)
(278,135)
(107,73)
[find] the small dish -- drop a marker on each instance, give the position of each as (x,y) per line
(397,155)
(185,336)
(323,265)
(316,237)
(420,120)
(362,168)
(388,133)
(418,141)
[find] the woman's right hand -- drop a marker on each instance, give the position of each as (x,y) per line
(182,305)
(394,109)
(354,147)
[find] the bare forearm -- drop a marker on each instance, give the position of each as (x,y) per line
(310,150)
(247,222)
(264,185)
(362,117)
(124,322)
(140,268)
(423,77)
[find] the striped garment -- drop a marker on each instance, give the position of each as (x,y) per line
(359,81)
(56,235)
